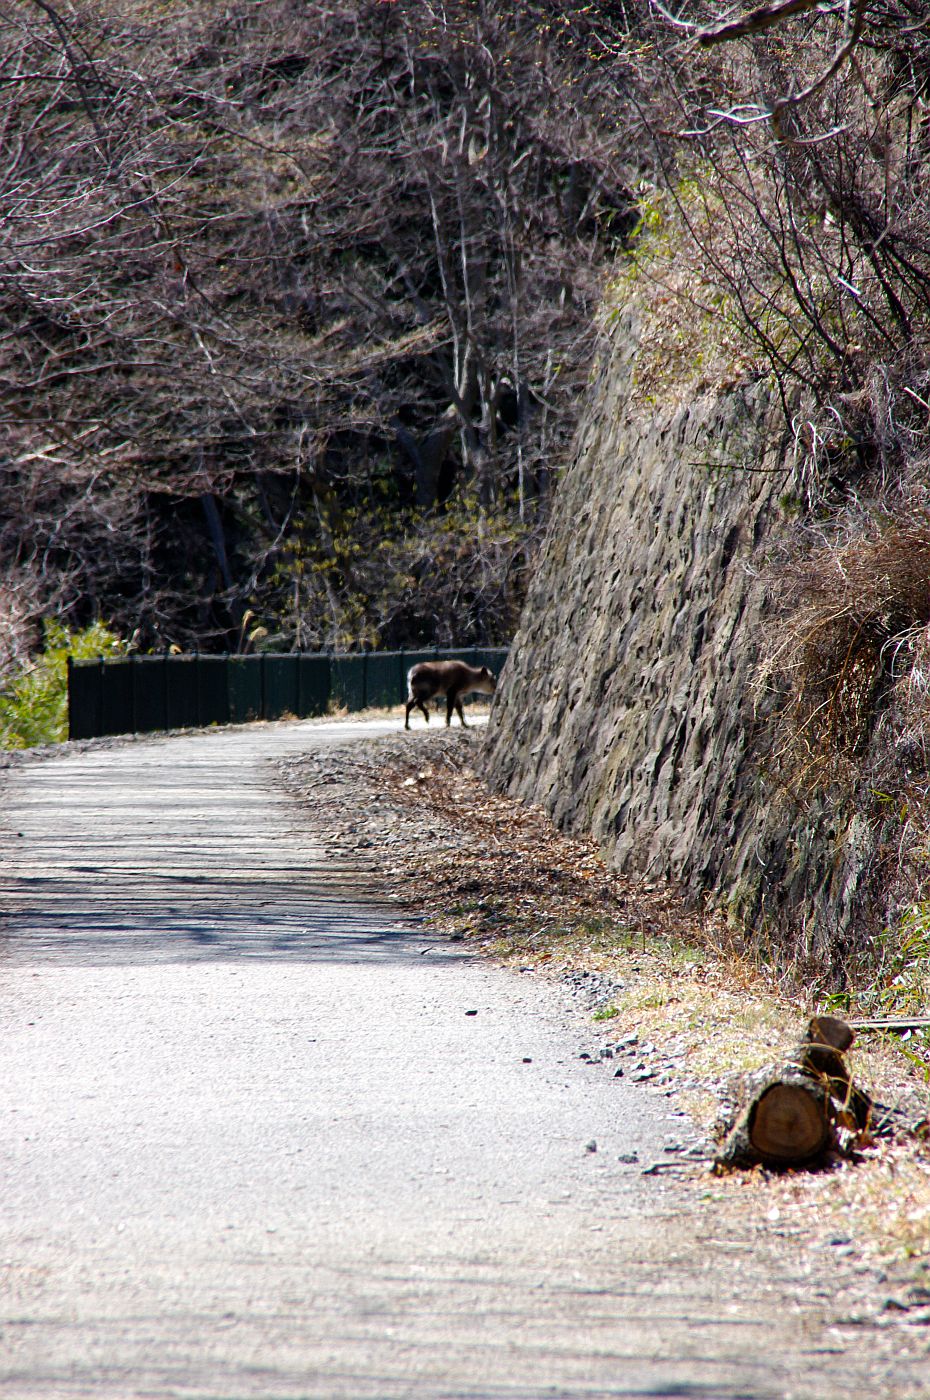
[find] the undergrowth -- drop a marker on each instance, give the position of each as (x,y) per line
(853,642)
(34,705)
(844,691)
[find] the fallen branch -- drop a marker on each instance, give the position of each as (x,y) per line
(895,1023)
(755,21)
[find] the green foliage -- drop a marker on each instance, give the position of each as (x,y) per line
(900,982)
(905,973)
(34,707)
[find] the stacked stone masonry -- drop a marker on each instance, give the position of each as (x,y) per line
(627,707)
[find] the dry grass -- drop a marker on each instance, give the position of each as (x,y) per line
(689,340)
(846,685)
(853,640)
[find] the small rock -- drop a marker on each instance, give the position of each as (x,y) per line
(527,1059)
(629,1159)
(618,1073)
(607,1053)
(471,1013)
(590,1146)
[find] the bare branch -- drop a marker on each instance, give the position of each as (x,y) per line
(758,20)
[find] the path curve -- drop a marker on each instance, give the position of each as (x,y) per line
(264,1138)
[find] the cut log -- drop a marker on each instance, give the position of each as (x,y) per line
(790,1121)
(791,1114)
(829,1030)
(785,1120)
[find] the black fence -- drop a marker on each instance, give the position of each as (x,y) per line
(140,694)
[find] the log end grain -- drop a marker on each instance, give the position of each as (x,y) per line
(790,1123)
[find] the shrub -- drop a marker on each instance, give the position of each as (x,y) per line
(34,706)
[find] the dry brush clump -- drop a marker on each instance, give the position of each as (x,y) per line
(852,644)
(843,707)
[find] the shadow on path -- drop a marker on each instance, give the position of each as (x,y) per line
(187,851)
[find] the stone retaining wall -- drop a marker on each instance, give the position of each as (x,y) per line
(627,706)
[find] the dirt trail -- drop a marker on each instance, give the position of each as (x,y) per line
(262,1138)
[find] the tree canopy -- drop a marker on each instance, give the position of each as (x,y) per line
(297,303)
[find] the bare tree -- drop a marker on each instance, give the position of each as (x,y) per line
(268,269)
(794,151)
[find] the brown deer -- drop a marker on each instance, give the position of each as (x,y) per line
(453,679)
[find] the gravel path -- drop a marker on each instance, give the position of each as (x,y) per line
(263,1138)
